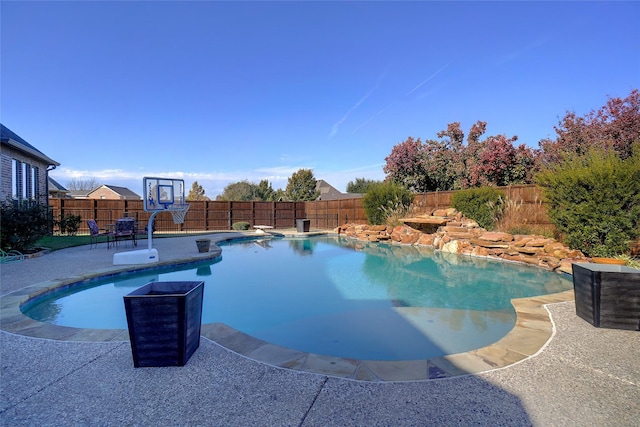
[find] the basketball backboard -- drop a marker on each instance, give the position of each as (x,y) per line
(162,194)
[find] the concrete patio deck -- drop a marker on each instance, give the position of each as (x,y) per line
(582,376)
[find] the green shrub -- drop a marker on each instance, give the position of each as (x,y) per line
(484,205)
(23,224)
(384,199)
(68,224)
(242,225)
(594,201)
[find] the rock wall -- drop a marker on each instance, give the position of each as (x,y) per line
(463,236)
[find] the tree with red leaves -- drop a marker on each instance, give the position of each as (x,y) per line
(615,126)
(405,165)
(449,164)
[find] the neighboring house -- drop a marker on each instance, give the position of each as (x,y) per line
(79,194)
(328,192)
(111,192)
(25,169)
(57,191)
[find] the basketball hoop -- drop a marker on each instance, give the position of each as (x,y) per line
(178,212)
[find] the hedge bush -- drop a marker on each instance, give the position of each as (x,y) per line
(23,224)
(241,225)
(68,224)
(484,205)
(384,199)
(594,200)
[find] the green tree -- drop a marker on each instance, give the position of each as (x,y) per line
(239,191)
(360,185)
(196,192)
(265,191)
(594,200)
(301,186)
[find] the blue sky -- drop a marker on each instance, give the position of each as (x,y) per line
(219,92)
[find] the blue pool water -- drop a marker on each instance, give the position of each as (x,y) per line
(332,296)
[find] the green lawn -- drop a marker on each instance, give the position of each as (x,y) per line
(61,242)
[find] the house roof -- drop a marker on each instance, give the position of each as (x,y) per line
(329,192)
(79,194)
(55,186)
(7,136)
(122,191)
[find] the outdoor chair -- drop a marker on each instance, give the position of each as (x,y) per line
(96,232)
(125,228)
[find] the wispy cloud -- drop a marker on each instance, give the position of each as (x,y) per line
(426,80)
(334,129)
(363,124)
(525,49)
(372,117)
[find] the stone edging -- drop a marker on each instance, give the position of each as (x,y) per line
(448,231)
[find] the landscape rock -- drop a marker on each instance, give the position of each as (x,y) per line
(460,235)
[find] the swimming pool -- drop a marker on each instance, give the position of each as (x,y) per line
(322,295)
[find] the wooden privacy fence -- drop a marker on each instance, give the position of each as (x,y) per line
(202,215)
(323,214)
(527,197)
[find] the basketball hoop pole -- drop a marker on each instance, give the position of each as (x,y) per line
(150,229)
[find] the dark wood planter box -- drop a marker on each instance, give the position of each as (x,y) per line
(164,320)
(203,245)
(607,296)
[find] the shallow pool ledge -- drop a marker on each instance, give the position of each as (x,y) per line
(533,330)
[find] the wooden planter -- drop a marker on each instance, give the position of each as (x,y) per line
(203,245)
(164,320)
(607,295)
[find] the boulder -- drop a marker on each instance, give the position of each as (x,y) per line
(463,236)
(496,237)
(450,247)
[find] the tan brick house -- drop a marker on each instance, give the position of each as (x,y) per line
(112,192)
(25,169)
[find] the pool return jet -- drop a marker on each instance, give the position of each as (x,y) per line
(161,195)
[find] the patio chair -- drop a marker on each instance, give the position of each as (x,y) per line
(125,228)
(96,232)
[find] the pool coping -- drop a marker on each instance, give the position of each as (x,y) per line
(533,330)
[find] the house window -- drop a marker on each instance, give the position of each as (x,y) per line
(26,181)
(15,178)
(35,191)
